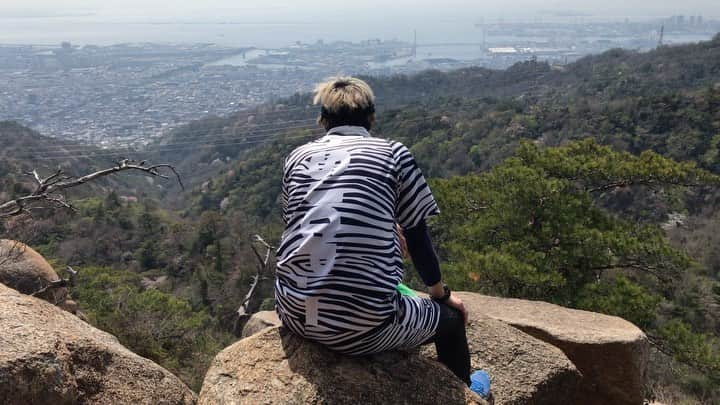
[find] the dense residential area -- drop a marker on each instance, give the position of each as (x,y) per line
(130,94)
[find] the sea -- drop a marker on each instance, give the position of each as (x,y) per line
(88,30)
(454,38)
(236,32)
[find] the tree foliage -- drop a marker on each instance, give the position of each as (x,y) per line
(154,324)
(532,226)
(535,227)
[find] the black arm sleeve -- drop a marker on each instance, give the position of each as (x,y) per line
(422,253)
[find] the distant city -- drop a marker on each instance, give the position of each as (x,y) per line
(128,94)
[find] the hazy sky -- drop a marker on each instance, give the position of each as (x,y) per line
(268,10)
(274,23)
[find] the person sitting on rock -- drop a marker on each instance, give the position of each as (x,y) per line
(339,262)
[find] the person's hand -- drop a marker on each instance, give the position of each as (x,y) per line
(455,302)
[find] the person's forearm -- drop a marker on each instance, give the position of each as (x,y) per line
(424,257)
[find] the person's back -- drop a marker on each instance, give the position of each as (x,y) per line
(347,197)
(339,262)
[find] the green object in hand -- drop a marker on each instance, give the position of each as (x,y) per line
(405,290)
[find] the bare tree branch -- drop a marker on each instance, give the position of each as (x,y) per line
(50,189)
(51,285)
(263,268)
(638,266)
(62,282)
(475,206)
(652,183)
(243,310)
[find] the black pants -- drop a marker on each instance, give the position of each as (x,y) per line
(451,342)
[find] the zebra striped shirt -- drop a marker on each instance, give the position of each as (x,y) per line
(339,260)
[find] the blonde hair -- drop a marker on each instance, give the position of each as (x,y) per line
(345,101)
(340,93)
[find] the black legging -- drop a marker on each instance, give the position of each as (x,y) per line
(451,342)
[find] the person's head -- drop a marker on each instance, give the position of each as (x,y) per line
(345,101)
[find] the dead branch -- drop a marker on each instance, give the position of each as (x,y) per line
(651,183)
(49,189)
(50,286)
(243,310)
(263,268)
(475,206)
(637,266)
(63,282)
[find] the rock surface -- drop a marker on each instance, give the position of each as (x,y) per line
(48,356)
(611,353)
(523,370)
(259,321)
(276,367)
(25,270)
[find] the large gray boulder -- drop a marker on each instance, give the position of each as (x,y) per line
(25,270)
(275,367)
(524,370)
(49,356)
(611,353)
(540,353)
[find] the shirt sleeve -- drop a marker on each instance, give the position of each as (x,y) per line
(422,253)
(415,201)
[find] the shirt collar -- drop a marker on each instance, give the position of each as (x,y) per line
(352,130)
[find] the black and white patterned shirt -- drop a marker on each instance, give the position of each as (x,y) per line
(339,261)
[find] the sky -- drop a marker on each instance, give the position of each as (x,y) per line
(314,10)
